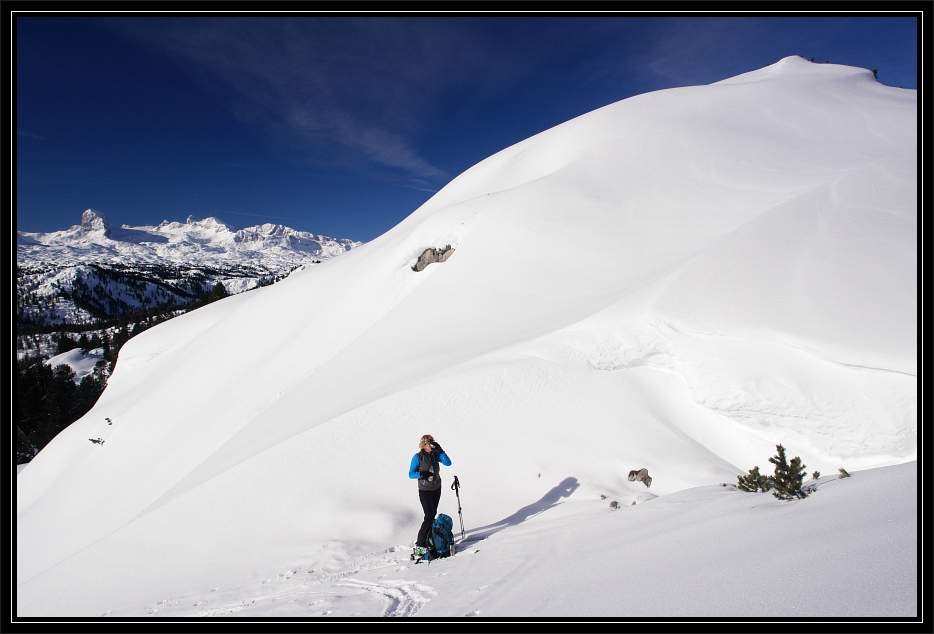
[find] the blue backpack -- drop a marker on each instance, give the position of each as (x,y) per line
(441,538)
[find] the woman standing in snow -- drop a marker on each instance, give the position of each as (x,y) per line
(426,468)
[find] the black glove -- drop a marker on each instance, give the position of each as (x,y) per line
(436,447)
(424,475)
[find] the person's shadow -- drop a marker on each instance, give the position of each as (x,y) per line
(549,500)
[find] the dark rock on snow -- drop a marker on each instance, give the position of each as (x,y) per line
(430,256)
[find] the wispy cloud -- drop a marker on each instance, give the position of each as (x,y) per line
(30,135)
(356,88)
(701,50)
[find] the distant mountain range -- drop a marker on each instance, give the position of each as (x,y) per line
(94,272)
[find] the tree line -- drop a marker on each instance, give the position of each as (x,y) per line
(48,399)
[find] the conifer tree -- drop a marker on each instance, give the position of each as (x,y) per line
(65,343)
(218,292)
(105,343)
(754,481)
(788,476)
(95,342)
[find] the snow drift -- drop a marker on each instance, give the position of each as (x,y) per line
(677,281)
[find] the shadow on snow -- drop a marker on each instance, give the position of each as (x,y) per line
(549,500)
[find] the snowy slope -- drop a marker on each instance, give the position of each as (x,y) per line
(850,549)
(703,552)
(738,269)
(82,364)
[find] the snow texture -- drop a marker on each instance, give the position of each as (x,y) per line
(677,282)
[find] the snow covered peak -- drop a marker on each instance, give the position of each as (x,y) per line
(208,223)
(795,66)
(94,221)
(207,242)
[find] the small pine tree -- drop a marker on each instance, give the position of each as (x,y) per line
(105,343)
(754,481)
(788,477)
(816,475)
(218,292)
(100,371)
(65,343)
(843,473)
(84,343)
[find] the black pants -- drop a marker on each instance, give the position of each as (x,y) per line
(430,501)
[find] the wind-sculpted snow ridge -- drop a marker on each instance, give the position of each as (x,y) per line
(738,270)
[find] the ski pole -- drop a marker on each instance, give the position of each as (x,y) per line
(456,486)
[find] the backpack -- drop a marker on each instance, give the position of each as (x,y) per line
(441,538)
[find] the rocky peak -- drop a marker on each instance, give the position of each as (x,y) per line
(92,220)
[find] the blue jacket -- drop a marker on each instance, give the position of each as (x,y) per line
(413,466)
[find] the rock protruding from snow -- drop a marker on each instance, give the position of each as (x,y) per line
(92,221)
(430,256)
(641,475)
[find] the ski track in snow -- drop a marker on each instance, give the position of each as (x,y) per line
(405,597)
(320,593)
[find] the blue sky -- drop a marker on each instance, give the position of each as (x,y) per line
(344,126)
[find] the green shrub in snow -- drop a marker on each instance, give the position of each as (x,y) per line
(754,481)
(788,476)
(784,484)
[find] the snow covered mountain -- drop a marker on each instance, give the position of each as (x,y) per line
(209,243)
(95,271)
(740,271)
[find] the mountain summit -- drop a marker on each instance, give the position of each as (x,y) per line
(94,221)
(678,281)
(93,272)
(208,242)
